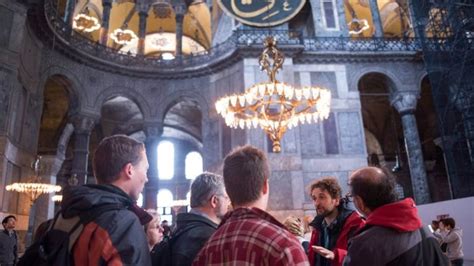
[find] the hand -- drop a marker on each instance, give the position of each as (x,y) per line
(323,252)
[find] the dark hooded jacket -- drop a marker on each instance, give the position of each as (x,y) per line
(114,237)
(393,235)
(188,244)
(340,231)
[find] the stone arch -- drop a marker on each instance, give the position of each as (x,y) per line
(77,93)
(178,96)
(129,93)
(392,80)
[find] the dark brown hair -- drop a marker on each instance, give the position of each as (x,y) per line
(448,221)
(328,184)
(245,171)
(375,186)
(112,154)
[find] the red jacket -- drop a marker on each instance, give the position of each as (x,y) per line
(352,223)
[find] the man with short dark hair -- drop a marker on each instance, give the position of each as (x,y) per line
(334,224)
(209,203)
(115,236)
(8,242)
(248,235)
(393,234)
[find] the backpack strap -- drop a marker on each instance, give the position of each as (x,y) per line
(76,224)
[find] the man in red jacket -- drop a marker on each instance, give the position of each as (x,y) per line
(334,224)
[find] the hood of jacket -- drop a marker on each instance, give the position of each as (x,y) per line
(401,216)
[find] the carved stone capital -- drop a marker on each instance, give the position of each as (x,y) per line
(142,7)
(180,10)
(153,129)
(83,124)
(405,101)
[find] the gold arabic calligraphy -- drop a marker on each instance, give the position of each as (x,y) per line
(258,12)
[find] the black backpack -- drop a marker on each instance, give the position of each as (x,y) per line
(161,254)
(55,246)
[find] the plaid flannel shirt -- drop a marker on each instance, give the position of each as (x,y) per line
(250,236)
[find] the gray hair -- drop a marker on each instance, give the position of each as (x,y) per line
(204,187)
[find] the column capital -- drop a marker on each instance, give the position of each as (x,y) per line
(153,129)
(142,7)
(83,123)
(180,10)
(107,3)
(405,101)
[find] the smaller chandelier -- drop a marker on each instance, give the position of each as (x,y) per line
(34,188)
(123,37)
(83,22)
(274,106)
(357,26)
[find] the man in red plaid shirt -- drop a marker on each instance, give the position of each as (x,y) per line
(248,235)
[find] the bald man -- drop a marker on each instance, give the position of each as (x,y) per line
(393,233)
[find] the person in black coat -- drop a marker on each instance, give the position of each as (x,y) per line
(209,203)
(8,242)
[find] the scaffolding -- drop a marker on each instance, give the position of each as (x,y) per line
(445,29)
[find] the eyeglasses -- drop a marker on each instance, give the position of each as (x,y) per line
(349,197)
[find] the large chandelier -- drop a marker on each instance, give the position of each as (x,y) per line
(34,188)
(274,106)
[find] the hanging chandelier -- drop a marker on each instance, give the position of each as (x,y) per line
(123,37)
(274,106)
(86,23)
(34,188)
(357,26)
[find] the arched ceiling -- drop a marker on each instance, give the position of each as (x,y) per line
(161,19)
(54,116)
(394,18)
(186,117)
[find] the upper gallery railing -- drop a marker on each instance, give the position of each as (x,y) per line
(240,39)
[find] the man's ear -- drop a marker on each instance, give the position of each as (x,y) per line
(265,187)
(214,200)
(128,170)
(360,205)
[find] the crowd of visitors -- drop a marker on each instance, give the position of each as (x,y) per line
(228,223)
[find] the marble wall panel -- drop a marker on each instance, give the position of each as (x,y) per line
(311,140)
(326,80)
(6,19)
(350,132)
(280,191)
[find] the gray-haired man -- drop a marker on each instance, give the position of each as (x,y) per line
(209,203)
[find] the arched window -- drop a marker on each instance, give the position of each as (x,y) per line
(193,165)
(165,160)
(165,200)
(140,200)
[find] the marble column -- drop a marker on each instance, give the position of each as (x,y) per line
(104,29)
(69,13)
(83,126)
(211,150)
(341,16)
(180,10)
(405,103)
(419,20)
(142,9)
(376,20)
(153,133)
